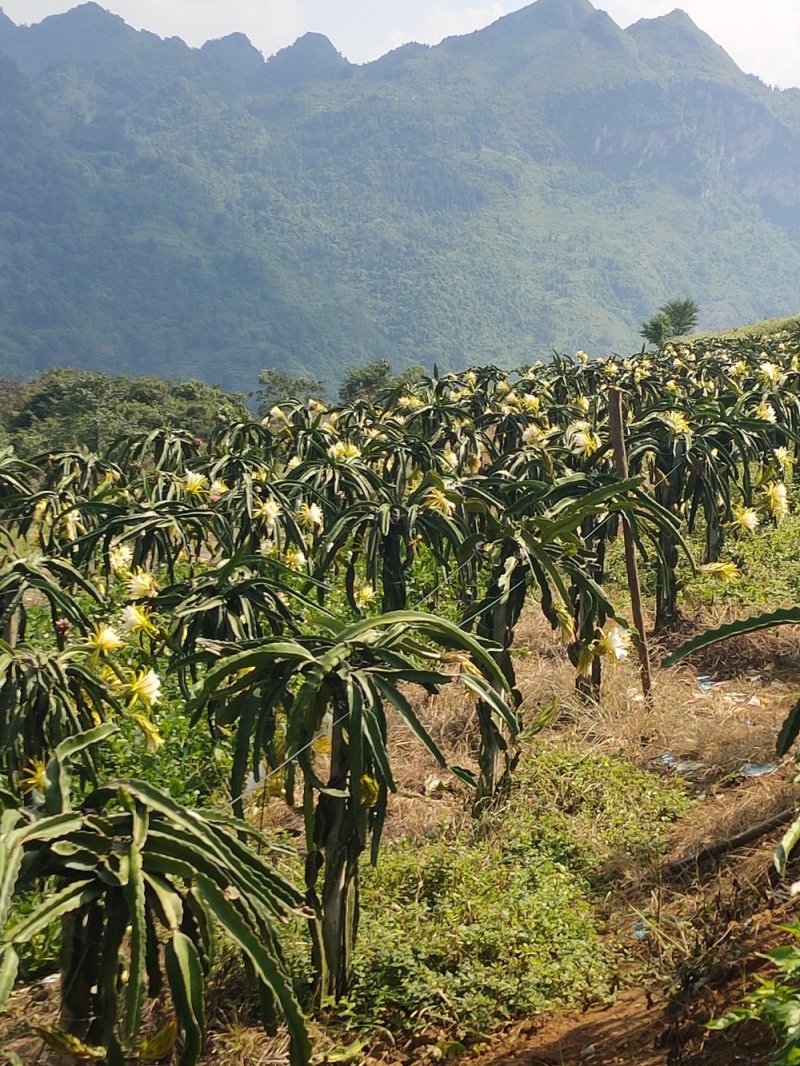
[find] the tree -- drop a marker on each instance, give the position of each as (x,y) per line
(682,316)
(674,319)
(365,382)
(277,387)
(65,409)
(656,330)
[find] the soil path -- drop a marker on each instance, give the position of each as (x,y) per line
(632,1030)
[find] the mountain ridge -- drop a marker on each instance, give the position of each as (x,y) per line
(543,182)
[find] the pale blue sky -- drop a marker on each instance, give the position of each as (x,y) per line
(763,36)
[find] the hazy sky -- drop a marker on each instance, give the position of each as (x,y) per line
(763,36)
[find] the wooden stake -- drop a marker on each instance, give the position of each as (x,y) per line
(617,429)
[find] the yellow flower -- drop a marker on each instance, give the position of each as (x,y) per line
(194,484)
(369,791)
(723,571)
(462,662)
(364,595)
(322,743)
(777,502)
(768,374)
(218,488)
(449,459)
(34,778)
(104,639)
(153,738)
(40,510)
(342,451)
(295,559)
(435,500)
(566,623)
(766,412)
(586,657)
(529,403)
(582,403)
(676,422)
(410,403)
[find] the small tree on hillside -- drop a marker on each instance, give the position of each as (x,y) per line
(674,319)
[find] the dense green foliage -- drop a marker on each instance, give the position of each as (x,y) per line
(544,182)
(775,1002)
(497,923)
(66,409)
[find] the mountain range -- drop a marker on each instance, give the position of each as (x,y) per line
(542,183)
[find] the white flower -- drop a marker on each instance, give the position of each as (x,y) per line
(766,412)
(580,438)
(616,643)
(70,525)
(137,619)
(295,559)
(746,520)
(310,516)
(104,639)
(120,557)
(533,435)
(142,585)
(269,510)
(777,501)
(145,688)
(768,374)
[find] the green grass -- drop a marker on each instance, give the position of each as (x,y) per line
(752,329)
(499,922)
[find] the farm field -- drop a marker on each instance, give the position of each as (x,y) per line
(333,724)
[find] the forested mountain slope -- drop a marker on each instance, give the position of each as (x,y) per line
(547,181)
